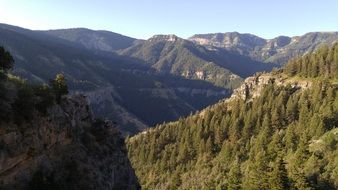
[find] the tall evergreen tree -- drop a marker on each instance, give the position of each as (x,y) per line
(279,178)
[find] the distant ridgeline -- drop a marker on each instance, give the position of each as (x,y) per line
(284,138)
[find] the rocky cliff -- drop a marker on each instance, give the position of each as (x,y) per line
(252,86)
(277,50)
(67,149)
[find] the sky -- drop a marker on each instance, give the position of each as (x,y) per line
(145,18)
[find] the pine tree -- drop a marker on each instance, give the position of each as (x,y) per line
(279,178)
(59,86)
(291,109)
(256,176)
(6,60)
(234,177)
(209,146)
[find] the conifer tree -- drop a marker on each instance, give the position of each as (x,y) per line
(279,178)
(6,60)
(59,86)
(234,177)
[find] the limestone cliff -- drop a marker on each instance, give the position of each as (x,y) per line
(252,86)
(67,149)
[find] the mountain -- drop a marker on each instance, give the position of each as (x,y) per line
(174,55)
(95,40)
(119,88)
(47,144)
(278,50)
(277,131)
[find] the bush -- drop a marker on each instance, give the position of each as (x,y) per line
(6,60)
(3,91)
(45,98)
(24,103)
(59,86)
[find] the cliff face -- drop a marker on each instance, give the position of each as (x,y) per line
(67,149)
(252,86)
(277,50)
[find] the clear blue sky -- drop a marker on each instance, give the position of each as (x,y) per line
(144,18)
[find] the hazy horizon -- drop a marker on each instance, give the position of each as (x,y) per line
(143,19)
(166,34)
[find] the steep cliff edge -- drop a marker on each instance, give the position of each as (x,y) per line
(67,149)
(252,86)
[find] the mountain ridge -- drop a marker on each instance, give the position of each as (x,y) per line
(276,50)
(184,76)
(175,55)
(102,40)
(43,56)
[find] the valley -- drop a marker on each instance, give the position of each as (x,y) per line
(94,109)
(181,76)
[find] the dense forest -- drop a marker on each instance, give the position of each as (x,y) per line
(286,138)
(323,63)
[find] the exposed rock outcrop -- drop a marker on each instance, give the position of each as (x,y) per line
(277,50)
(252,86)
(67,149)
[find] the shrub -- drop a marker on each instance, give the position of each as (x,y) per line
(24,103)
(59,86)
(45,98)
(6,60)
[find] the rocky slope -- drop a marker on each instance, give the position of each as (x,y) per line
(277,50)
(174,55)
(94,40)
(252,86)
(67,149)
(180,57)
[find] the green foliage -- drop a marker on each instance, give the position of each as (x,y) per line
(234,177)
(45,98)
(24,103)
(6,61)
(20,101)
(323,63)
(279,177)
(59,86)
(269,137)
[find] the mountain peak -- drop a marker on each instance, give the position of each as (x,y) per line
(169,38)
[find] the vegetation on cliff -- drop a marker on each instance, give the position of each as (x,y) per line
(52,141)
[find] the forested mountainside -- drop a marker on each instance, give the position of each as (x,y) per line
(277,50)
(119,88)
(277,131)
(171,54)
(52,141)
